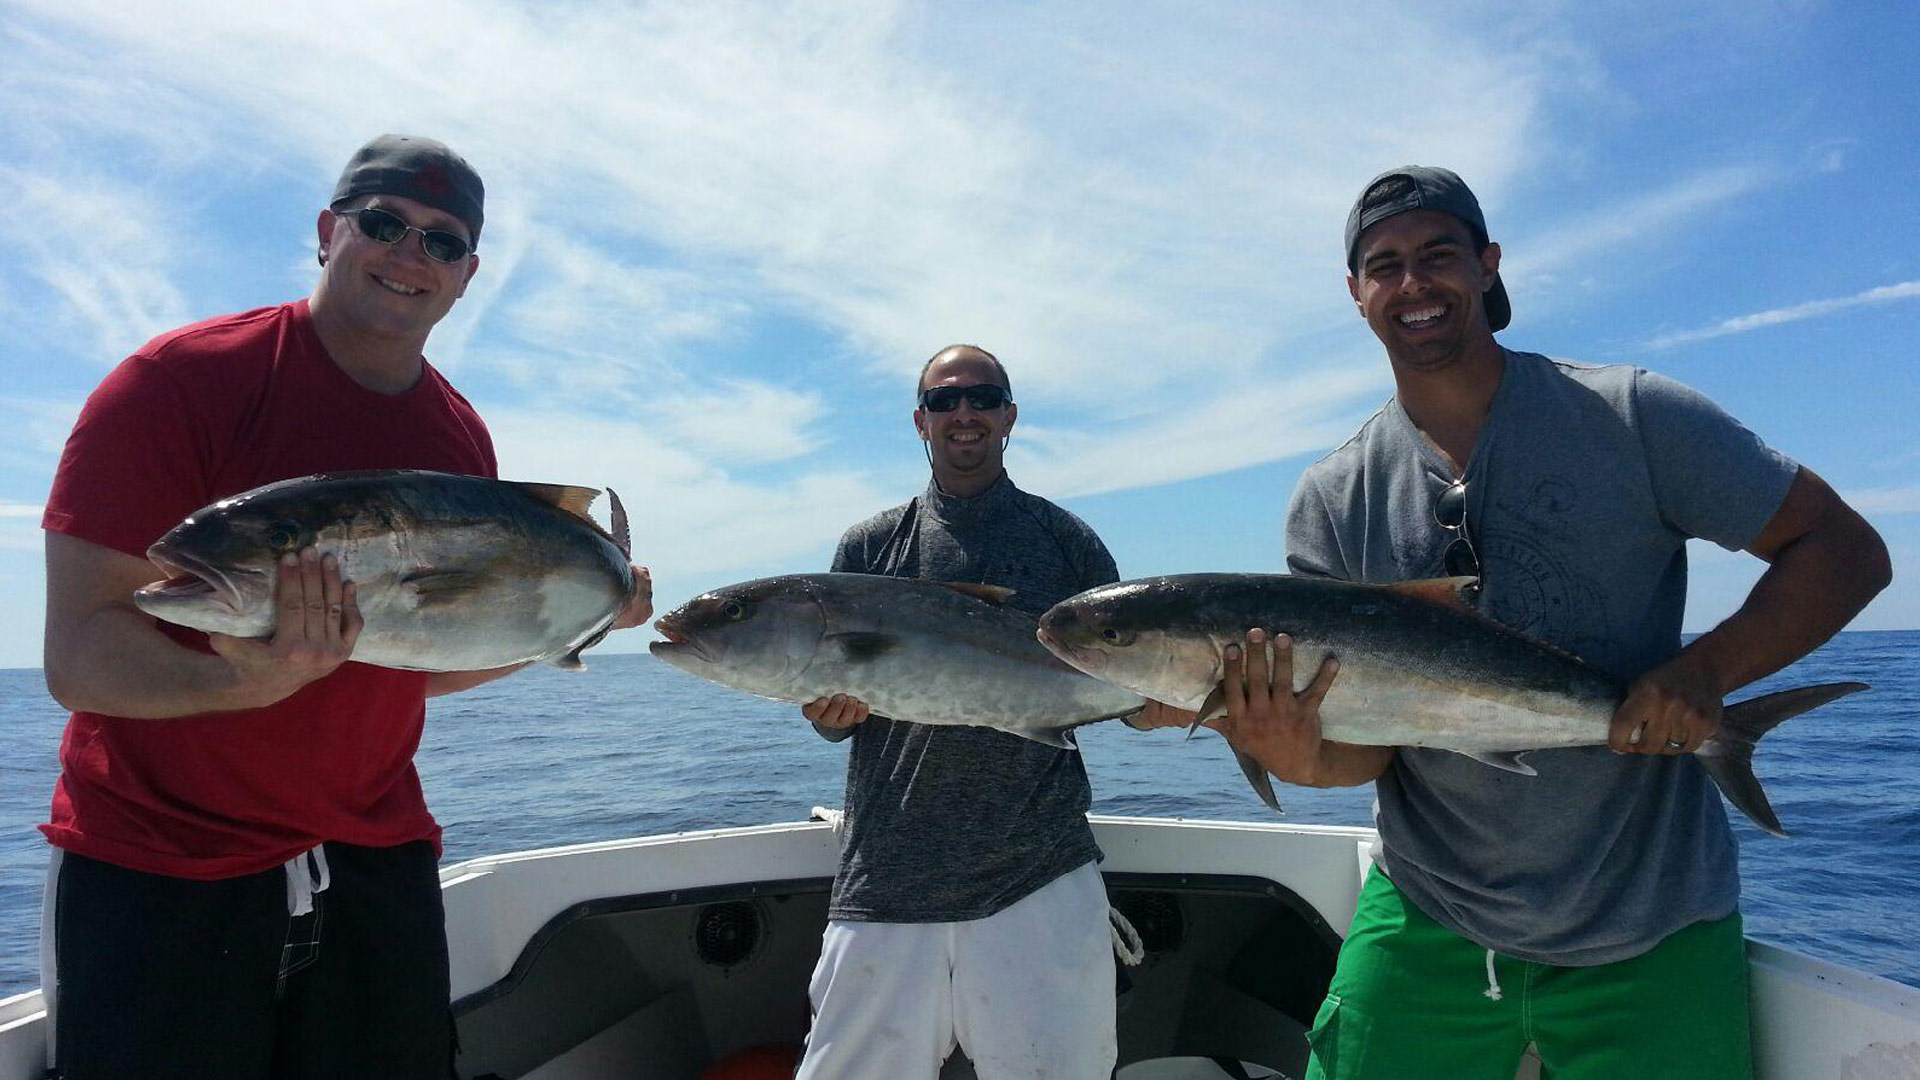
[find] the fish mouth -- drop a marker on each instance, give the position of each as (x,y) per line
(678,643)
(188,578)
(1090,661)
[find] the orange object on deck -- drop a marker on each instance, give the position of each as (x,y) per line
(774,1062)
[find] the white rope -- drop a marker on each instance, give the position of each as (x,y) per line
(1493,984)
(835,818)
(1126,940)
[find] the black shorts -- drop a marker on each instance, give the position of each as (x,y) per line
(161,977)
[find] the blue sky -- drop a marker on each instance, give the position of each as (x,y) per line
(721,237)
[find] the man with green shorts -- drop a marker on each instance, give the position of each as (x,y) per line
(1591,910)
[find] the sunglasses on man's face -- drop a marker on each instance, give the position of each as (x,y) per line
(1450,513)
(981,396)
(390,228)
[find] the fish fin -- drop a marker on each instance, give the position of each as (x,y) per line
(1214,705)
(570,660)
(861,645)
(441,586)
(1256,775)
(992,594)
(1728,756)
(1448,592)
(620,534)
(1056,737)
(574,500)
(1508,760)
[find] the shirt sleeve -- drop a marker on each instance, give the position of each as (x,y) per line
(137,463)
(1094,562)
(1312,541)
(1712,478)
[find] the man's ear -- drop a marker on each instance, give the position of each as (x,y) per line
(1013,413)
(1353,290)
(920,424)
(473,267)
(1490,262)
(324,226)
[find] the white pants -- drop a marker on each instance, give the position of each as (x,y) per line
(1027,992)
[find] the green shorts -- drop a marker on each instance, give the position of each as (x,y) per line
(1411,1000)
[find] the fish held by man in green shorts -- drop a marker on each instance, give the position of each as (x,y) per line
(451,573)
(1418,667)
(919,651)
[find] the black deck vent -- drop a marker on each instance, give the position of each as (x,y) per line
(727,934)
(1157,916)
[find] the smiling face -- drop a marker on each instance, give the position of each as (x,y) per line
(389,290)
(1421,287)
(965,444)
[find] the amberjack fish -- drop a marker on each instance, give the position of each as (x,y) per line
(452,573)
(920,651)
(1418,667)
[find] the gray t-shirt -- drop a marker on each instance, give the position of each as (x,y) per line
(952,823)
(1582,492)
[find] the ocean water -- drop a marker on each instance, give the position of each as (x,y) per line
(632,747)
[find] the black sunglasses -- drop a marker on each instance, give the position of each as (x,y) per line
(1450,513)
(982,396)
(390,228)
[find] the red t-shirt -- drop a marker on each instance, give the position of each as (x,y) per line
(201,413)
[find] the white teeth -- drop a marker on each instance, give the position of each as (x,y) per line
(403,290)
(1423,315)
(968,437)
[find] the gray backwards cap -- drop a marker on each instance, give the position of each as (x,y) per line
(1422,187)
(416,168)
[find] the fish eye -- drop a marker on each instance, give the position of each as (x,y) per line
(733,610)
(1115,636)
(283,536)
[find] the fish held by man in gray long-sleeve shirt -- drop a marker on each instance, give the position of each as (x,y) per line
(920,651)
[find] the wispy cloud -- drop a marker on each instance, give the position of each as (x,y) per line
(1538,257)
(1905,290)
(1885,501)
(94,245)
(719,232)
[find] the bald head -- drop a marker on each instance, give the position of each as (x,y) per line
(968,352)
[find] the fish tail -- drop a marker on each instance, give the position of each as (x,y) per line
(1728,756)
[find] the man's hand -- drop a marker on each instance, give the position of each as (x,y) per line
(1669,710)
(317,623)
(1265,718)
(837,713)
(639,607)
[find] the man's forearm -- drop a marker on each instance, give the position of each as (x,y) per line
(440,683)
(1812,589)
(116,663)
(1344,765)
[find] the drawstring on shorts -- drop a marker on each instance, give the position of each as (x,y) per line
(1492,992)
(307,874)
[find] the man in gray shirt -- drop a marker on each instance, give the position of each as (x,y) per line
(968,908)
(1593,909)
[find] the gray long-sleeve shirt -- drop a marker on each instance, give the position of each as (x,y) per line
(946,824)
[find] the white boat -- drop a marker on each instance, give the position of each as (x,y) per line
(655,957)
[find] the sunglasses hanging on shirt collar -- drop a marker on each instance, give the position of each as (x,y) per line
(1450,513)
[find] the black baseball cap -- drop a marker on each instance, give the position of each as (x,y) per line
(417,168)
(1423,187)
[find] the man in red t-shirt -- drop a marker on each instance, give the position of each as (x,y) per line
(244,880)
